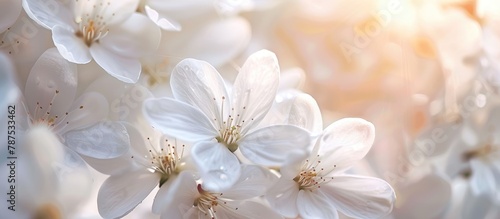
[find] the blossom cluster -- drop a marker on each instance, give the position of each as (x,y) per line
(249,109)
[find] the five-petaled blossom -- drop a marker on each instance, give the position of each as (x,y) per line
(109,32)
(192,200)
(317,186)
(218,124)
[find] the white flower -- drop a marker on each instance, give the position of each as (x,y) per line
(50,102)
(9,12)
(220,124)
(152,161)
(110,32)
(316,187)
(191,200)
(155,10)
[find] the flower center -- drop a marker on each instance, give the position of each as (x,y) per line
(207,201)
(47,211)
(164,161)
(44,115)
(92,26)
(230,129)
(312,176)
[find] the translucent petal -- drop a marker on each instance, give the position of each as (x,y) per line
(161,20)
(255,88)
(178,119)
(315,205)
(104,140)
(113,12)
(360,197)
(206,43)
(48,13)
(305,113)
(9,12)
(247,209)
(121,67)
(198,83)
(129,39)
(70,46)
(185,188)
(218,167)
(52,80)
(164,195)
(283,197)
(345,142)
(272,145)
(254,181)
(87,110)
(119,194)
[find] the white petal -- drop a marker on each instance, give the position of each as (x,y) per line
(48,13)
(114,12)
(87,110)
(272,145)
(70,46)
(178,119)
(344,142)
(218,167)
(305,114)
(200,85)
(283,197)
(254,181)
(360,197)
(104,140)
(123,68)
(134,38)
(9,12)
(181,201)
(119,194)
(52,80)
(315,205)
(255,87)
(292,79)
(247,209)
(207,43)
(164,195)
(162,21)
